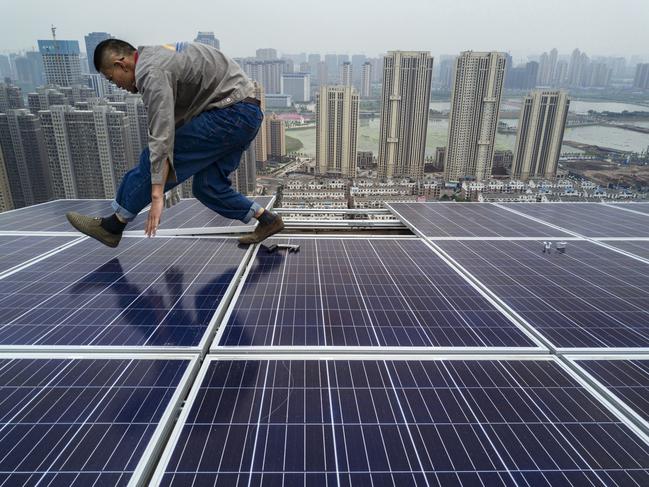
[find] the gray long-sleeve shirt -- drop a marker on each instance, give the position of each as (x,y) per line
(178,82)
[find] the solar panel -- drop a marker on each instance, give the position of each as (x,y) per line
(82,422)
(628,380)
(191,213)
(369,422)
(358,292)
(640,207)
(589,297)
(587,219)
(50,217)
(468,220)
(160,292)
(636,247)
(17,250)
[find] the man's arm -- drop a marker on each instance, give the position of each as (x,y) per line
(157,203)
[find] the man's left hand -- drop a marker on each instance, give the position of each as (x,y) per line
(155,212)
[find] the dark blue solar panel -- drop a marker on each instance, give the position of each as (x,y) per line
(16,250)
(50,216)
(191,213)
(637,247)
(80,422)
(588,219)
(353,292)
(588,297)
(641,207)
(402,423)
(627,379)
(469,220)
(146,292)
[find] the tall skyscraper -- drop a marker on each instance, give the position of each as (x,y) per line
(208,38)
(313,60)
(331,61)
(357,67)
(337,109)
(445,80)
(43,98)
(346,74)
(6,201)
(5,67)
(407,78)
(89,150)
(540,134)
(298,85)
(61,62)
(366,80)
(11,97)
(641,78)
(29,70)
(92,41)
(261,140)
(23,148)
(268,73)
(276,138)
(266,54)
(477,89)
(245,177)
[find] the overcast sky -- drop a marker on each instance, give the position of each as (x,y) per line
(522,27)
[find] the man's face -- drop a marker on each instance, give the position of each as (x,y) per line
(120,72)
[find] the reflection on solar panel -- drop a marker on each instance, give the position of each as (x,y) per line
(340,422)
(191,213)
(627,379)
(16,250)
(641,207)
(469,220)
(153,292)
(363,293)
(50,216)
(81,422)
(588,297)
(639,248)
(588,219)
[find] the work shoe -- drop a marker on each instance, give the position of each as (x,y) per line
(263,231)
(91,226)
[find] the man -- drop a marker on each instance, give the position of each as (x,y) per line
(201,118)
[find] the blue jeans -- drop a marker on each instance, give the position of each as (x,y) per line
(208,147)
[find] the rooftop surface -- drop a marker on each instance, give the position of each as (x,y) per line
(488,344)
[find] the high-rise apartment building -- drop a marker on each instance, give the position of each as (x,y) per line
(89,150)
(43,98)
(6,201)
(366,80)
(245,177)
(337,109)
(641,78)
(276,138)
(11,97)
(298,85)
(25,158)
(261,140)
(477,90)
(29,70)
(331,62)
(266,54)
(346,74)
(61,62)
(92,41)
(540,134)
(208,38)
(407,78)
(267,73)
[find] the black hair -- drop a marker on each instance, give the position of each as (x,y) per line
(115,46)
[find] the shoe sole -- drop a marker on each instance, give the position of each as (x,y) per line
(256,241)
(88,233)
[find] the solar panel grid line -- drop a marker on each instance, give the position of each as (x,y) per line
(466,220)
(622,206)
(244,322)
(146,289)
(623,404)
(78,422)
(493,298)
(623,312)
(569,455)
(215,256)
(539,220)
(621,251)
(591,220)
(37,259)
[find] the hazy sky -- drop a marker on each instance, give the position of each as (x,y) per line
(608,27)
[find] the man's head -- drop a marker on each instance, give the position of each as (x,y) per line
(115,60)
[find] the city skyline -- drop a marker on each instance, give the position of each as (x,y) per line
(372,28)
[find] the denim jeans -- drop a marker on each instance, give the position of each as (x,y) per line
(208,147)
